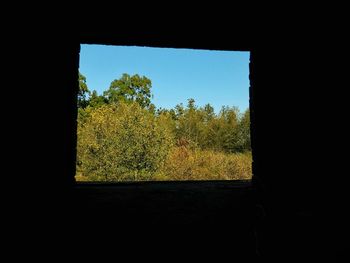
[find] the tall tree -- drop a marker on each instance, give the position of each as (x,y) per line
(244,131)
(96,100)
(83,92)
(208,112)
(238,138)
(130,89)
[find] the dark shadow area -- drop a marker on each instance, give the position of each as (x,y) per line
(274,217)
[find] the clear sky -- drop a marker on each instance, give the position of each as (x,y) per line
(216,77)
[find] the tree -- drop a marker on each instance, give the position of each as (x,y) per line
(122,142)
(83,92)
(191,104)
(244,132)
(96,100)
(208,112)
(130,89)
(190,123)
(238,139)
(179,110)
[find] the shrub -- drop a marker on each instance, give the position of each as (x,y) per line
(186,164)
(124,142)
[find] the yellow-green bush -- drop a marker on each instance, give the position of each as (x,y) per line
(121,143)
(186,164)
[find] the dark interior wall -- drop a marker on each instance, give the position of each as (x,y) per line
(288,113)
(297,104)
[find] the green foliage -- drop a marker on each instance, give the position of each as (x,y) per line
(130,89)
(97,100)
(122,142)
(244,132)
(238,140)
(123,137)
(83,91)
(226,131)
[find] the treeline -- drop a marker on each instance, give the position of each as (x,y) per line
(122,136)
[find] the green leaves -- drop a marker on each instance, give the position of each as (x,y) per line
(130,89)
(83,92)
(123,137)
(122,142)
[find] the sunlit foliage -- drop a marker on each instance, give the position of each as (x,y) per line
(123,137)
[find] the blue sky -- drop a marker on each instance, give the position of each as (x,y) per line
(216,77)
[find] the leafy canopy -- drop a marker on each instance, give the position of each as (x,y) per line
(130,89)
